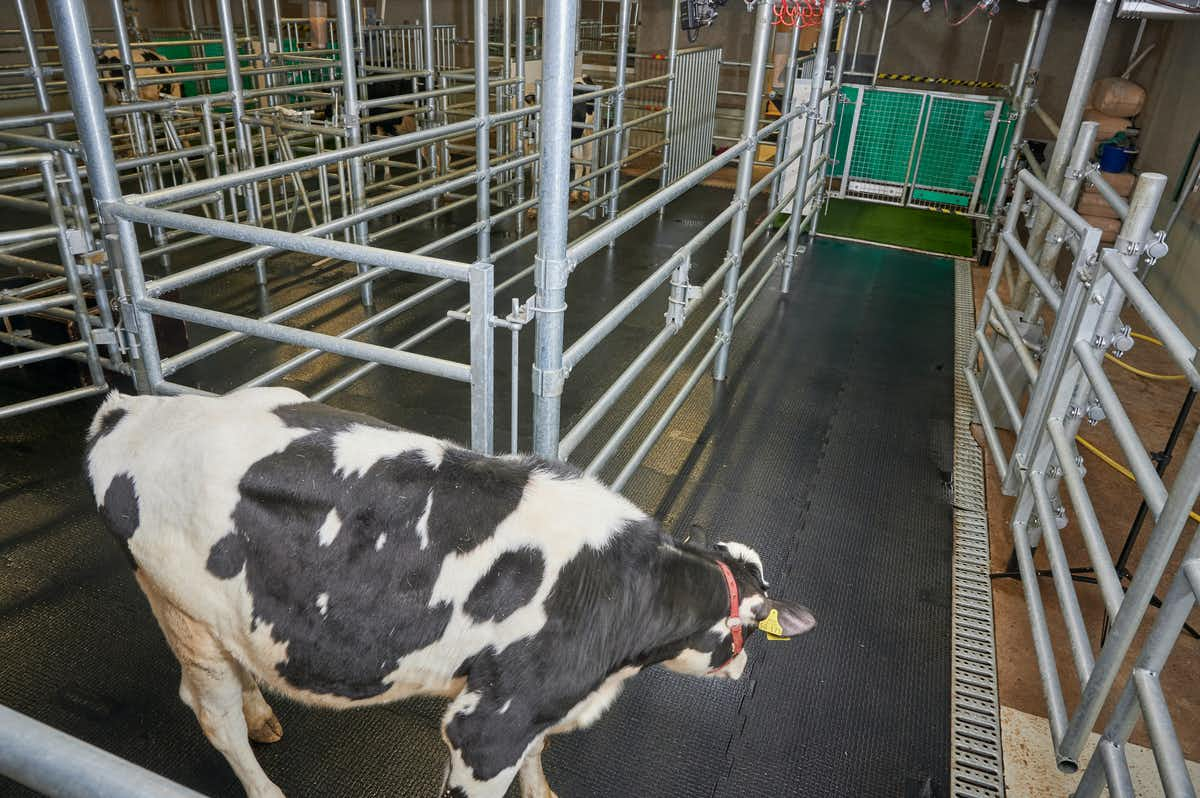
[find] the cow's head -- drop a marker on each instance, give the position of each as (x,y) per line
(714,652)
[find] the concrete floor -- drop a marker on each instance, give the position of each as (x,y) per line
(1152,406)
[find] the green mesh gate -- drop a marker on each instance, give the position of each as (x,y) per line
(919,148)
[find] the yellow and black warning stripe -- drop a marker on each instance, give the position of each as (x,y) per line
(976,84)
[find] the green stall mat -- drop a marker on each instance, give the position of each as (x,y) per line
(911,228)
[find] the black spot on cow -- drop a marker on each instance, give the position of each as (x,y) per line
(119,509)
(316,416)
(508,585)
(374,578)
(456,792)
(227,557)
(108,422)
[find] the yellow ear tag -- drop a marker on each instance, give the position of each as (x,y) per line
(772,627)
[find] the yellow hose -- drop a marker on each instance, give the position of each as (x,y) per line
(1150,375)
(1115,465)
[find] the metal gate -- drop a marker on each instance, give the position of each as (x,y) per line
(694,112)
(919,149)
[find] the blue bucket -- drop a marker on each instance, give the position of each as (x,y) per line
(1114,158)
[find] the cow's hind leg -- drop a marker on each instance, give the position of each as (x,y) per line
(261,722)
(533,777)
(213,686)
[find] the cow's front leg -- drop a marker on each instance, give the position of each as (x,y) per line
(487,747)
(533,777)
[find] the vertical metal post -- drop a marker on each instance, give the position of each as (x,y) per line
(785,107)
(503,95)
(800,198)
(523,122)
(346,23)
(430,80)
(1081,88)
(669,118)
(550,266)
(987,34)
(245,155)
(483,354)
(74,36)
(1026,92)
(618,136)
(264,39)
(66,161)
(887,16)
(741,193)
(1069,188)
(483,144)
(834,100)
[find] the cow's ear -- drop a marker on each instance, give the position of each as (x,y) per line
(793,619)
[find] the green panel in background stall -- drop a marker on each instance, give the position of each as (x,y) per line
(887,124)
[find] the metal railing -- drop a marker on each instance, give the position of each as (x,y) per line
(1058,384)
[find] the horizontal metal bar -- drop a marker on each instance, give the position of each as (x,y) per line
(59,765)
(611,320)
(664,420)
(1051,294)
(1178,346)
(377,147)
(294,242)
(1148,480)
(17,409)
(1014,335)
(999,458)
(1089,524)
(33,305)
(40,354)
(613,392)
(28,234)
(229,262)
(311,340)
(1068,214)
(1115,200)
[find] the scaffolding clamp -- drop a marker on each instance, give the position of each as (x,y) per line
(549,382)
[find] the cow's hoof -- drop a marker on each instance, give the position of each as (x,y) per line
(267,730)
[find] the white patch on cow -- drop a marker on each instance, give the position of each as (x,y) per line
(740,551)
(559,518)
(589,710)
(357,449)
(379,541)
(423,522)
(748,609)
(330,528)
(323,603)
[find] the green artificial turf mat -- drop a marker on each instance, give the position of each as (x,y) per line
(911,228)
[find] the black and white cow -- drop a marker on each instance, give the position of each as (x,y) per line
(342,561)
(147,64)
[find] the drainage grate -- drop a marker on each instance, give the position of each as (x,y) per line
(976,766)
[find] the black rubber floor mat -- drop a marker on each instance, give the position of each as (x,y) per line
(827,449)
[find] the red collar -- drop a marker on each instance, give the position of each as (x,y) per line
(735,605)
